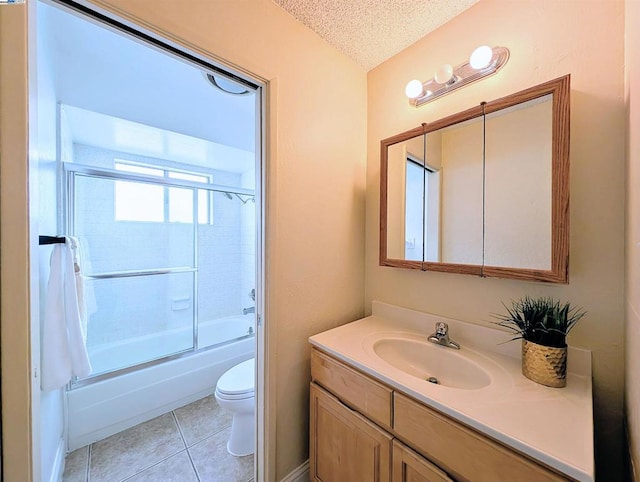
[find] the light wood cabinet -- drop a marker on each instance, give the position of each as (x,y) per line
(408,466)
(345,446)
(415,443)
(353,388)
(462,452)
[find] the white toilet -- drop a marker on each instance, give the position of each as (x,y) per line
(235,392)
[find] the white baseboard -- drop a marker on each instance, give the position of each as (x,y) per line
(300,474)
(58,467)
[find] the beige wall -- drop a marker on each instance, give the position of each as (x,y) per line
(547,39)
(316,175)
(632,295)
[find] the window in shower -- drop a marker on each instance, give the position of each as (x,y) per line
(143,202)
(422,211)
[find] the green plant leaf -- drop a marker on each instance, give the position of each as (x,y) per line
(540,320)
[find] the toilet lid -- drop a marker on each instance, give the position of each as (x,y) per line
(238,379)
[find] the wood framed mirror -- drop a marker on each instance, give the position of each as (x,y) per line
(484,191)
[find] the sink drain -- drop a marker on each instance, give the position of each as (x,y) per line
(433,380)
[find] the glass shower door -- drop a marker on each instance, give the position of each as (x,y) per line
(138,244)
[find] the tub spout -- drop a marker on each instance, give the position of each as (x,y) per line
(251,309)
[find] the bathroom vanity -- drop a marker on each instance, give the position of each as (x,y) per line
(375,416)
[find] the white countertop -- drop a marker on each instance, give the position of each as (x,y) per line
(552,425)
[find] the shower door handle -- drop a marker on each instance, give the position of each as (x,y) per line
(142,272)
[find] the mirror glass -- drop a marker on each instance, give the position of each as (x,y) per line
(434,196)
(518,170)
(454,193)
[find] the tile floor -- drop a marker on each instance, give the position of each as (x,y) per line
(188,444)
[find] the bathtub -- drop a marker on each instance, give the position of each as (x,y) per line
(103,408)
(134,351)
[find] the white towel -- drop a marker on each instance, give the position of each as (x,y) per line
(64,351)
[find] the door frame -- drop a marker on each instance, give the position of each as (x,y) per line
(19,344)
(15,365)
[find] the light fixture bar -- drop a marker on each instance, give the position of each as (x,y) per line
(463,74)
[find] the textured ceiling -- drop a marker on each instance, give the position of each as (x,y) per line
(371,31)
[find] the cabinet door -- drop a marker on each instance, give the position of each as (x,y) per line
(344,446)
(408,466)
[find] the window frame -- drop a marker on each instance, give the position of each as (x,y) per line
(167,175)
(431,228)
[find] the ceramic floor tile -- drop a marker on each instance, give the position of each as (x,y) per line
(214,464)
(202,418)
(176,468)
(129,452)
(75,465)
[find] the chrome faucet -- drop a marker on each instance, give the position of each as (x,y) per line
(441,336)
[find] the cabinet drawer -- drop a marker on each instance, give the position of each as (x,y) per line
(462,452)
(355,389)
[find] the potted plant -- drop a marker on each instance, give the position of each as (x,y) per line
(542,324)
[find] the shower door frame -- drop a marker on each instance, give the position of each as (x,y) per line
(70,171)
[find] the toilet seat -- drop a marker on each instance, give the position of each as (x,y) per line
(238,382)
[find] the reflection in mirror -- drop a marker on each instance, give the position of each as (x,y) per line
(405,199)
(456,153)
(414,209)
(518,169)
(434,196)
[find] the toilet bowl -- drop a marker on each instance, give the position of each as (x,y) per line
(235,393)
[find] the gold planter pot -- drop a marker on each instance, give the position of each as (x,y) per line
(544,364)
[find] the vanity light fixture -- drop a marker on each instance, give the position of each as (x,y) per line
(484,61)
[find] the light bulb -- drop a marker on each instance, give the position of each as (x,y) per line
(481,57)
(413,89)
(444,74)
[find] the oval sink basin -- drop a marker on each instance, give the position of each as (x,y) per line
(425,360)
